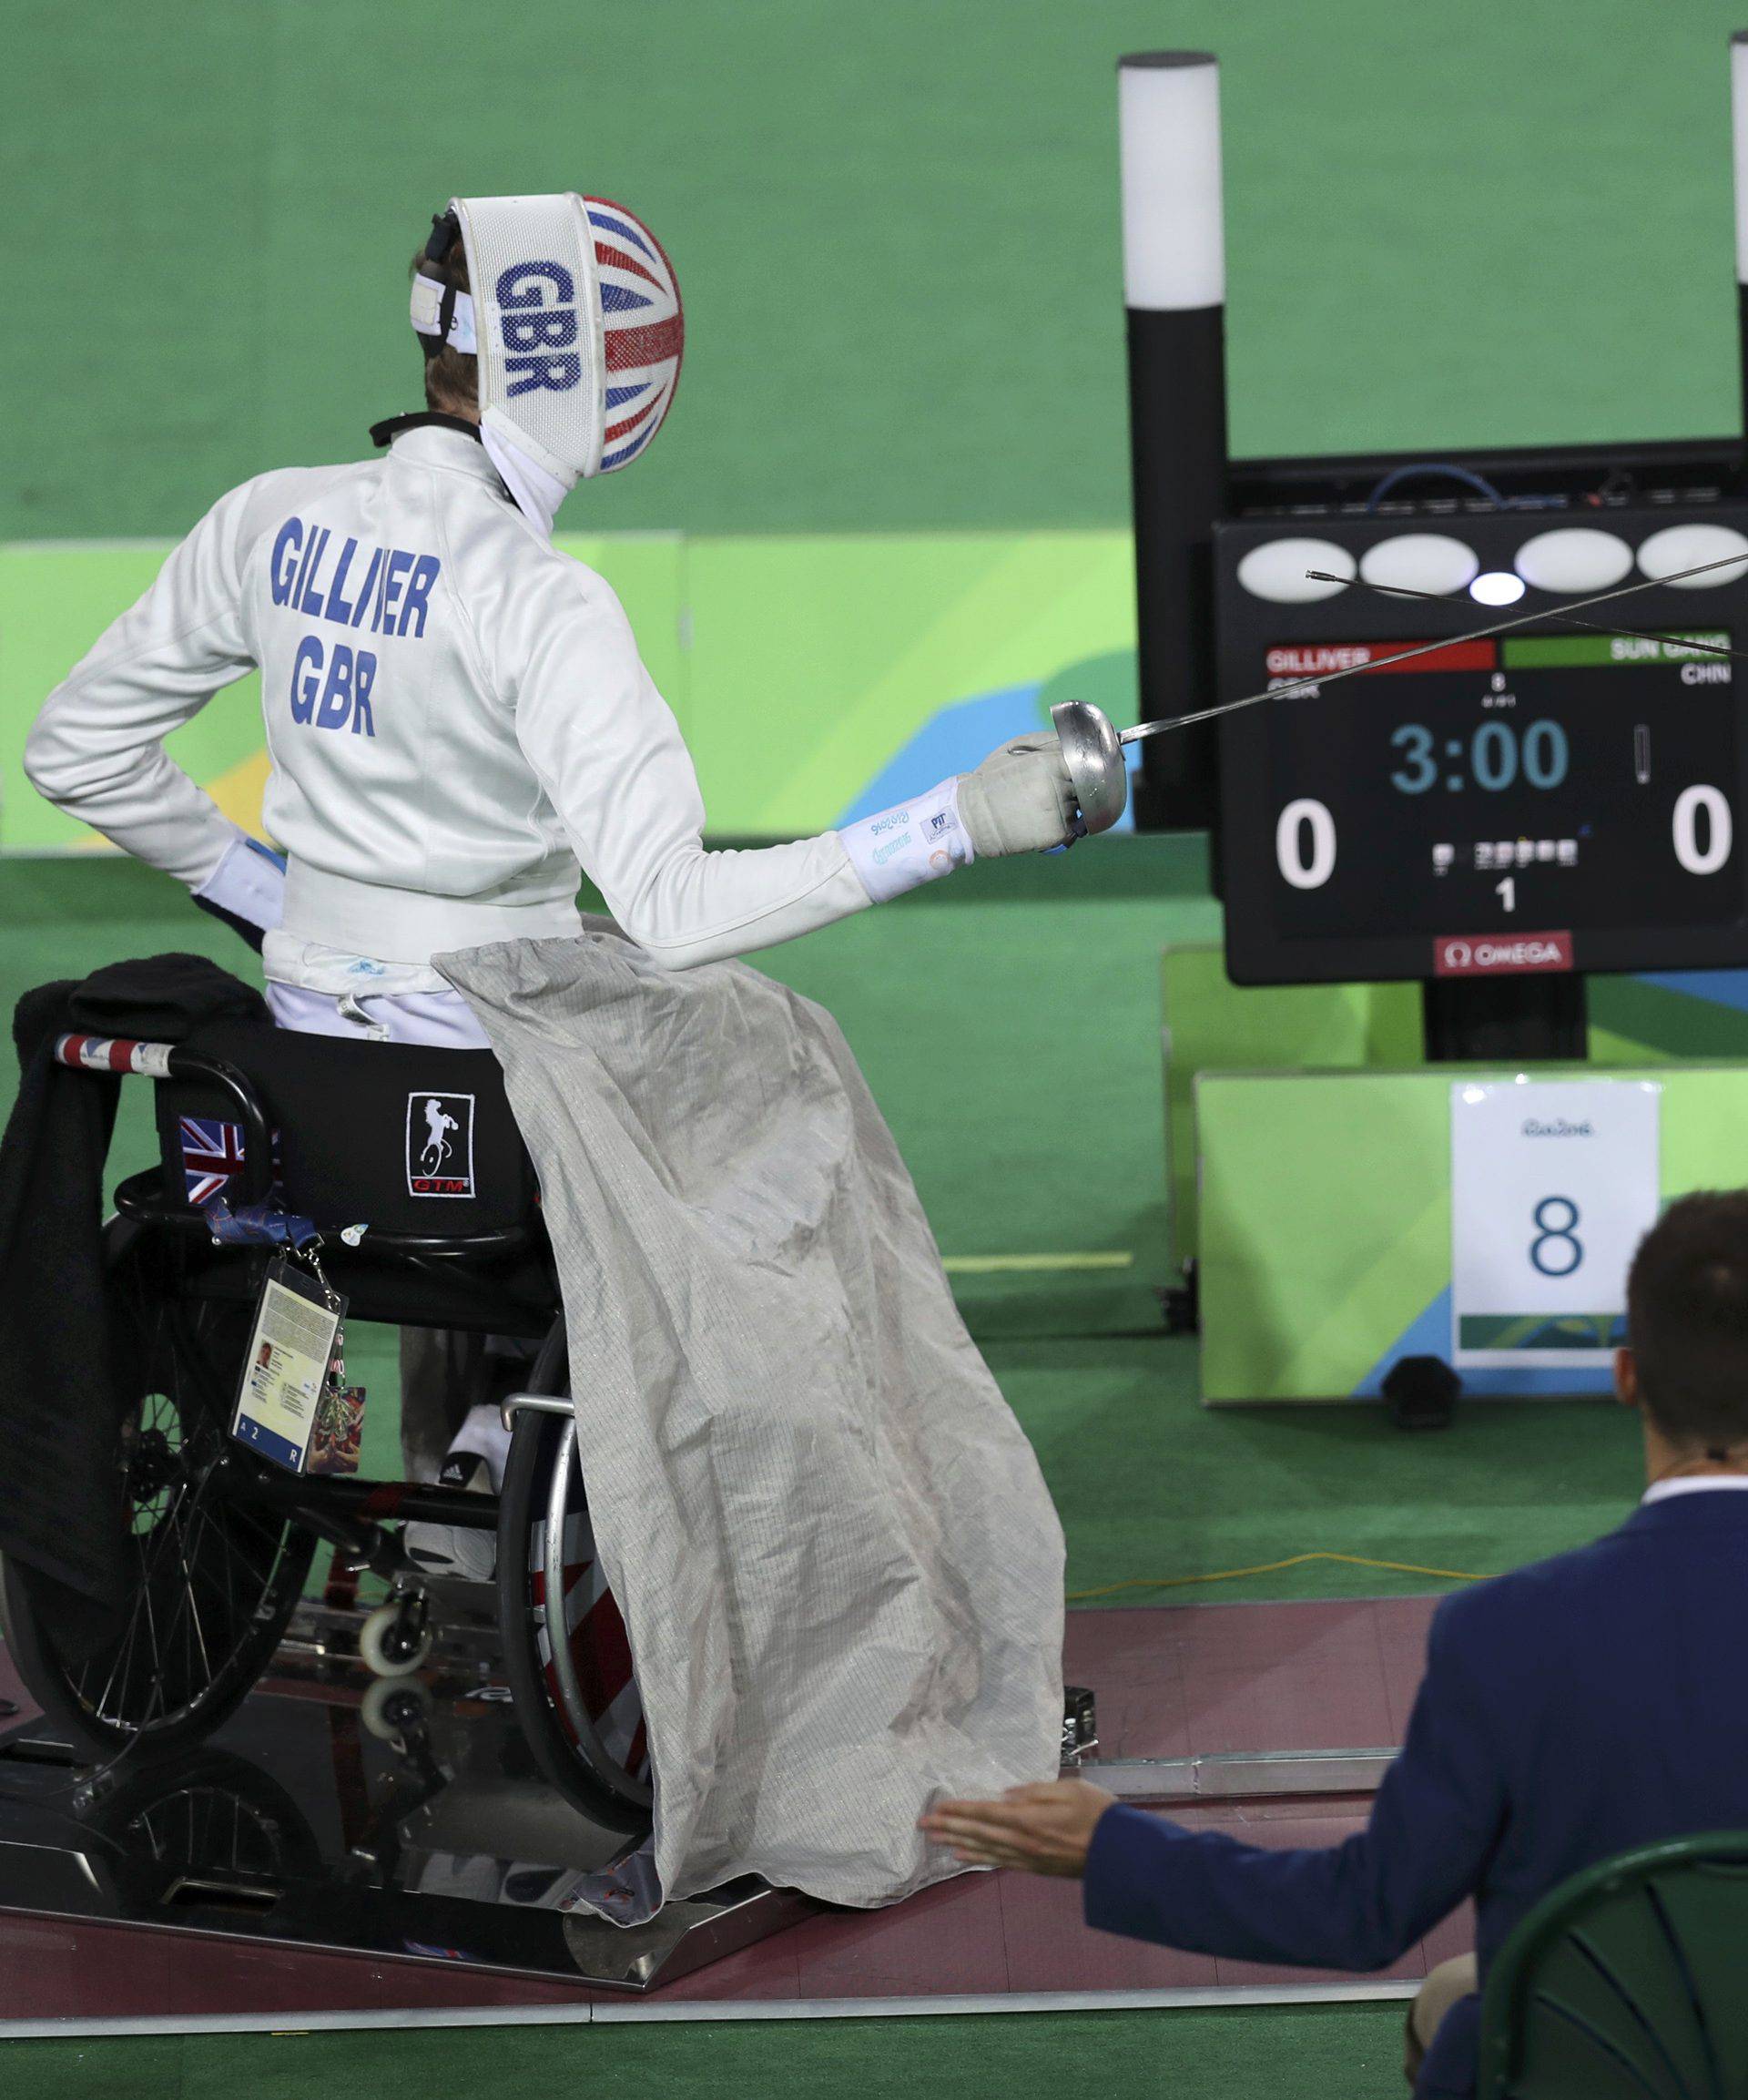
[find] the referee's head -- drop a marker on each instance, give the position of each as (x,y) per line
(1686,1359)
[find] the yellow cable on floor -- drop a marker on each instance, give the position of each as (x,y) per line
(1273,1567)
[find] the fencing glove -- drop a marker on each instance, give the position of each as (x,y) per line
(1020,800)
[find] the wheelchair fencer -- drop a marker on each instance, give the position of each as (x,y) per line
(219,1538)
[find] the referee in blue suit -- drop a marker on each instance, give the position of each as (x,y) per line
(1579,1706)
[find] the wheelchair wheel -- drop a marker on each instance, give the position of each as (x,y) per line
(210,1820)
(566,1650)
(213,1580)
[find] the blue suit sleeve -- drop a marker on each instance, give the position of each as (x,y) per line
(1356,1905)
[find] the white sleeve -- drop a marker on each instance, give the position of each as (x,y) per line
(96,747)
(609,754)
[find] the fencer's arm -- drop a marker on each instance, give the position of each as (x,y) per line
(97,746)
(609,753)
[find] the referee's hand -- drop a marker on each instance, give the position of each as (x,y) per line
(1043,1830)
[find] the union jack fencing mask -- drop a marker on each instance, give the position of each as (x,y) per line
(575,316)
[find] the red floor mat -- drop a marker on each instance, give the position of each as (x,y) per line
(1171,1681)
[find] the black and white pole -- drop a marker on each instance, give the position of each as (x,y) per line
(1739,131)
(1174,291)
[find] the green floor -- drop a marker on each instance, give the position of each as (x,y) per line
(1009,1026)
(1284,2053)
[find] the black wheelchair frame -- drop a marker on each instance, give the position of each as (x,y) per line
(223,1539)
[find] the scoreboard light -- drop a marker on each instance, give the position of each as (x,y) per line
(1174,301)
(1497,588)
(1550,800)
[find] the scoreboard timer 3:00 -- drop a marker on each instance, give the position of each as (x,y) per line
(1542,800)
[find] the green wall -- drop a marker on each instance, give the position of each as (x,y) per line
(894,493)
(895,227)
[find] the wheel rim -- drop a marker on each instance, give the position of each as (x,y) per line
(215,1821)
(204,1830)
(588,1666)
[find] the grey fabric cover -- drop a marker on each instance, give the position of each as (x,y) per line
(840,1569)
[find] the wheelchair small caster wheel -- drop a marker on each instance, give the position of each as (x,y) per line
(393,1709)
(395,1639)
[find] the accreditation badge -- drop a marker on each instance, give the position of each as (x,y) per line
(293,1345)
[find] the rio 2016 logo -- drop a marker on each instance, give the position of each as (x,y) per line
(1556,1250)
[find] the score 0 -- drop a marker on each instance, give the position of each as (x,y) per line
(1304,831)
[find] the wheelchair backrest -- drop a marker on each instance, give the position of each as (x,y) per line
(383,1134)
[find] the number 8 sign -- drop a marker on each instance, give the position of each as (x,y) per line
(1555,1237)
(1552,1185)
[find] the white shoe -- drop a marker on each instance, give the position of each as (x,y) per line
(454,1551)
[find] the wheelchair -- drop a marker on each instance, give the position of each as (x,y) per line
(218,1539)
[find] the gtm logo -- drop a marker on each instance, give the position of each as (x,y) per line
(439,1144)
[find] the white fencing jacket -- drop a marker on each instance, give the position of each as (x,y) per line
(456,716)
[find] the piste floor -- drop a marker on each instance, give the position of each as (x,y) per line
(1009,1024)
(293,1784)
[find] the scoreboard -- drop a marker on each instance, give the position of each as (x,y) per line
(1552,798)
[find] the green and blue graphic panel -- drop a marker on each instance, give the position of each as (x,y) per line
(816,678)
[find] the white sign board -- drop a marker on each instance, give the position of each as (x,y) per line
(1552,1185)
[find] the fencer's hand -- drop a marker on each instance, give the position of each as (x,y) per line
(246,889)
(1043,1829)
(1020,800)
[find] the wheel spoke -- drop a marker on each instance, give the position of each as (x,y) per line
(193,1608)
(124,1649)
(215,1524)
(155,1696)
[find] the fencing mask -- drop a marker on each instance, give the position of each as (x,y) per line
(575,316)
